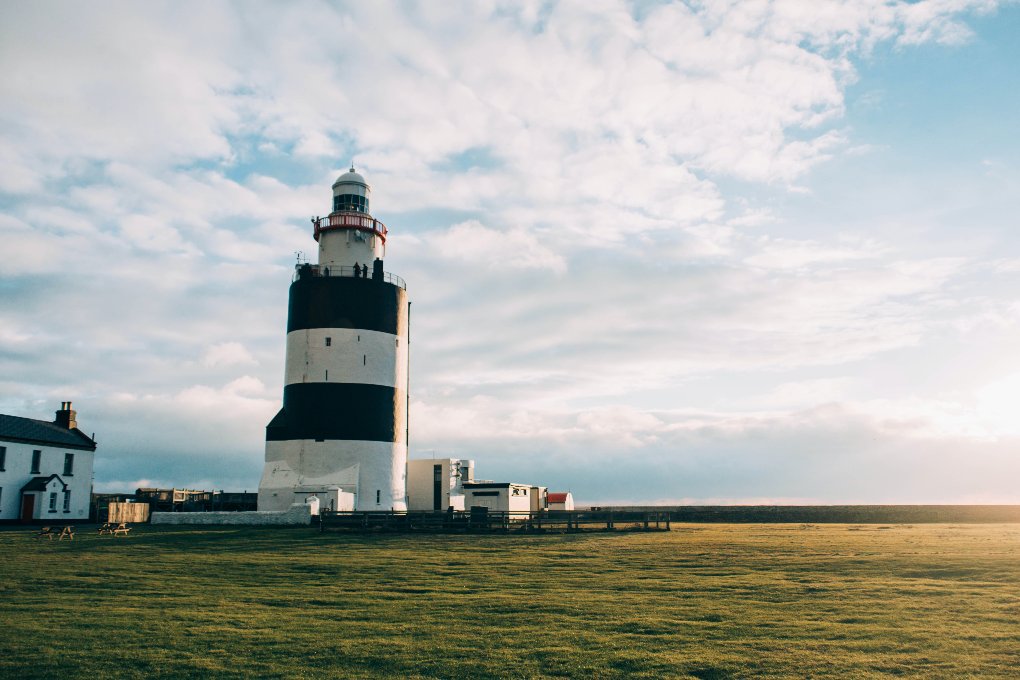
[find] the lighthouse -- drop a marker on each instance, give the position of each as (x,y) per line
(342,432)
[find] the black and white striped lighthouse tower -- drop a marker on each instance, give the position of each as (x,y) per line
(342,432)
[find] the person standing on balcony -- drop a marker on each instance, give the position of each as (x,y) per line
(357,270)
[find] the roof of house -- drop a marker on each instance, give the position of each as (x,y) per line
(487,484)
(39,483)
(558,496)
(32,431)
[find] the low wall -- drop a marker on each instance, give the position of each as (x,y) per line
(299,514)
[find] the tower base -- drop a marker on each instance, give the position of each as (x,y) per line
(343,474)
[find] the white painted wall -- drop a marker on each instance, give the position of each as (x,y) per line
(505,499)
(17,473)
(538,498)
(362,468)
(297,514)
(353,356)
(346,247)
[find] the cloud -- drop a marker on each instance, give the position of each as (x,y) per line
(228,354)
(594,205)
(473,243)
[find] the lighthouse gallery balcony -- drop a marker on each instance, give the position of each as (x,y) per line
(315,270)
(349,220)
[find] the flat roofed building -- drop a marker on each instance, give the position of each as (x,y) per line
(45,468)
(498,496)
(437,484)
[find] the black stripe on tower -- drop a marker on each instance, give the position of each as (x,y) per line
(340,411)
(344,302)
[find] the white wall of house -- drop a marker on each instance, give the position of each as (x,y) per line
(17,471)
(539,498)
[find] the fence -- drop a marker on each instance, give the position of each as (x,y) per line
(482,520)
(304,270)
(128,512)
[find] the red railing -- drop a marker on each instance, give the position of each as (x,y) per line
(349,220)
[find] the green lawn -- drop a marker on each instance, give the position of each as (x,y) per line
(704,601)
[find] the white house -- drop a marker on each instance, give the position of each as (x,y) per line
(438,484)
(45,468)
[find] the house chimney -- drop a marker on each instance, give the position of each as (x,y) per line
(66,417)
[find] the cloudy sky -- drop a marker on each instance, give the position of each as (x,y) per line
(657,251)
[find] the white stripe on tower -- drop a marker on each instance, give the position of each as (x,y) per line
(346,355)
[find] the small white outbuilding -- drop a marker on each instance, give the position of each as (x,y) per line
(561,500)
(498,496)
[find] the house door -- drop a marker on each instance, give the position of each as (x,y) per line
(27,507)
(437,487)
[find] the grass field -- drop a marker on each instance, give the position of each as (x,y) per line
(704,601)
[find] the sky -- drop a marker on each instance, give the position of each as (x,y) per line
(657,252)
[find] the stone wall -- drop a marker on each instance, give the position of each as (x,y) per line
(299,514)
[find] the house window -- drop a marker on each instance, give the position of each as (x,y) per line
(36,460)
(1,494)
(364,360)
(3,458)
(329,342)
(69,464)
(53,501)
(378,496)
(67,501)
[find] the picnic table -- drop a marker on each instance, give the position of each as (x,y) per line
(120,529)
(66,532)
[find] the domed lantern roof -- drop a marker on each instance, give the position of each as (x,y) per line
(350,177)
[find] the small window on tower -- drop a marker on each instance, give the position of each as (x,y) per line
(378,496)
(329,342)
(364,360)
